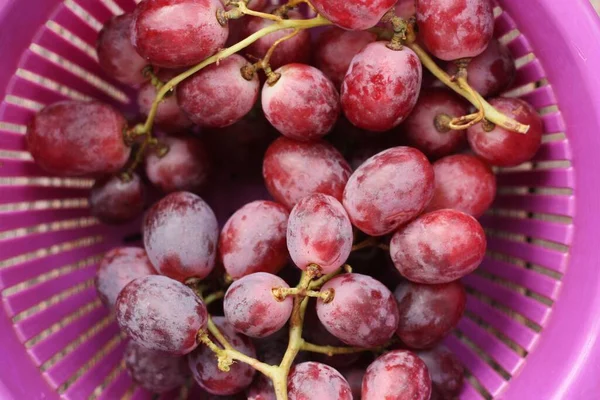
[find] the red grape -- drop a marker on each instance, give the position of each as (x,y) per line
(424,129)
(113,201)
(169,116)
(252,309)
(311,379)
(335,49)
(455,29)
(116,54)
(119,267)
(398,375)
(354,376)
(161,314)
(261,389)
(177,33)
(428,312)
(303,104)
(353,15)
(438,247)
(362,313)
(388,190)
(492,71)
(319,232)
(156,371)
(506,148)
(464,183)
(447,373)
(185,167)
(381,86)
(253,239)
(75,138)
(293,170)
(204,366)
(218,96)
(180,236)
(294,50)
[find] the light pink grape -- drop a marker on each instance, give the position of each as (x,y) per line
(311,379)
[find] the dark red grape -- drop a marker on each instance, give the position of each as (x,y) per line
(438,247)
(303,104)
(76,138)
(455,29)
(447,373)
(113,201)
(156,371)
(388,190)
(177,33)
(363,312)
(311,379)
(381,86)
(319,232)
(424,127)
(293,170)
(398,375)
(492,71)
(119,267)
(204,366)
(506,148)
(116,54)
(161,314)
(353,15)
(253,239)
(218,96)
(185,167)
(252,309)
(261,389)
(428,312)
(335,50)
(180,236)
(464,183)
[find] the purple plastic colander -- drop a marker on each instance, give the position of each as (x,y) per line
(533,313)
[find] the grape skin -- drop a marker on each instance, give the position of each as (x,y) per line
(311,378)
(113,201)
(353,15)
(447,373)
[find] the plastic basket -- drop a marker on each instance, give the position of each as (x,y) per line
(533,314)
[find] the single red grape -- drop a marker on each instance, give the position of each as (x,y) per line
(76,138)
(447,373)
(388,190)
(424,128)
(506,148)
(438,247)
(177,33)
(455,29)
(354,376)
(113,201)
(180,236)
(204,365)
(218,96)
(161,314)
(398,375)
(381,86)
(303,104)
(293,170)
(293,50)
(491,72)
(119,267)
(319,232)
(353,15)
(252,309)
(185,167)
(116,55)
(156,371)
(428,312)
(335,50)
(362,313)
(311,379)
(464,183)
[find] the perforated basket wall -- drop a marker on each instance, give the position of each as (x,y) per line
(532,321)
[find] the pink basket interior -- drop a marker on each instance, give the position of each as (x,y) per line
(531,322)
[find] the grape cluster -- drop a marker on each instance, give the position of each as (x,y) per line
(325,189)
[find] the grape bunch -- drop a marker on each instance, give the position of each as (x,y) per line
(307,204)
